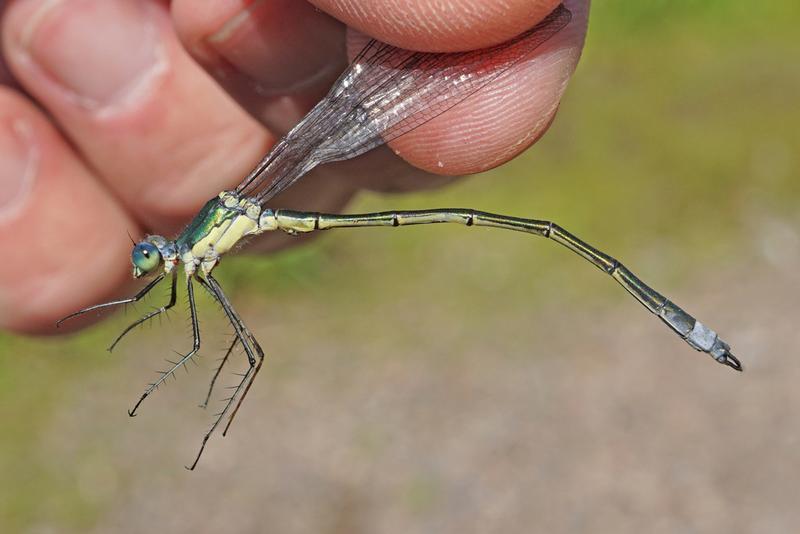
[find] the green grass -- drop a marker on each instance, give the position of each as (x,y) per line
(680,123)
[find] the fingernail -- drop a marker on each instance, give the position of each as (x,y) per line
(18,165)
(103,54)
(283,46)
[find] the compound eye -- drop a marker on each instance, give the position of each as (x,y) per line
(145,257)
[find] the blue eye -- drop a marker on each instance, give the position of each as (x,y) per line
(145,257)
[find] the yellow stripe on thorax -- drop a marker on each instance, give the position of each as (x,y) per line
(224,237)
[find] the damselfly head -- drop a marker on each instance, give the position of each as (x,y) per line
(145,258)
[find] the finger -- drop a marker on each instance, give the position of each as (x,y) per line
(439,26)
(504,118)
(276,57)
(63,235)
(162,135)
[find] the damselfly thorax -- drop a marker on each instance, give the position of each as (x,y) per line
(222,223)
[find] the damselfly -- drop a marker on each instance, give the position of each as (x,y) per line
(385,93)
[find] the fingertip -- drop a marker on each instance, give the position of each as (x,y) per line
(276,58)
(435,26)
(504,118)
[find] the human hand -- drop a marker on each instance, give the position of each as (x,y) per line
(108,126)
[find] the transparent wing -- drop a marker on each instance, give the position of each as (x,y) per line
(385,93)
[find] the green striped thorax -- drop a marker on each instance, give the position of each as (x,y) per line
(213,214)
(219,225)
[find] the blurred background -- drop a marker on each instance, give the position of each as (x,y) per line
(435,379)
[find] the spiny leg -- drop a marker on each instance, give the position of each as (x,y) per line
(137,297)
(184,358)
(697,335)
(222,363)
(152,314)
(255,364)
(255,357)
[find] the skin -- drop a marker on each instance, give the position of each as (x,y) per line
(125,116)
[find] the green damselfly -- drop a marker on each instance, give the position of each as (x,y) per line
(385,93)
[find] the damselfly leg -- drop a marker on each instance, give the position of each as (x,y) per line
(184,359)
(151,315)
(136,298)
(218,371)
(255,357)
